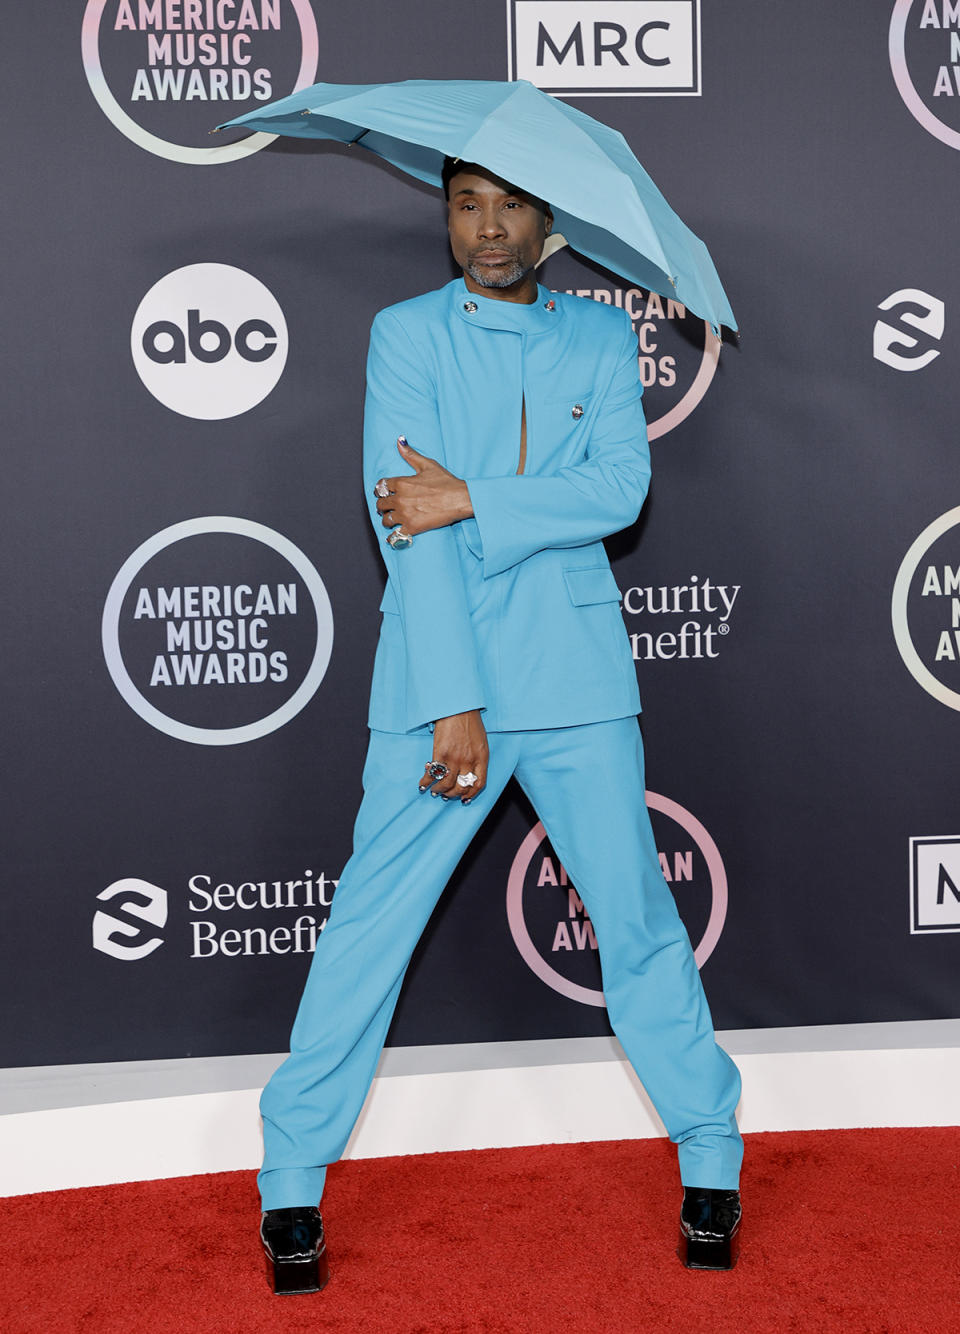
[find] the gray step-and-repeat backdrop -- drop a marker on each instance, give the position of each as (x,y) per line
(191,583)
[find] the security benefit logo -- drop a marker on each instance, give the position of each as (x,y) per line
(165,72)
(212,918)
(131,923)
(595,47)
(217,631)
(934,885)
(683,621)
(209,341)
(926,609)
(896,345)
(550,924)
(925,60)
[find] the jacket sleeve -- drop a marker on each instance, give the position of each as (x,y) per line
(520,515)
(441,660)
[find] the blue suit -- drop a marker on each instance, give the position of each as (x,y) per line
(516,613)
(452,372)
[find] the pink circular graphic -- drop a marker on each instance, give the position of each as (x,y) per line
(587,995)
(901,74)
(680,411)
(124,122)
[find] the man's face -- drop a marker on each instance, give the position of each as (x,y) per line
(496,231)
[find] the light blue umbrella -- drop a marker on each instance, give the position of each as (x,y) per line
(604,203)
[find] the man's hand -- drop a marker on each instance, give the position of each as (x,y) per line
(459,742)
(432,498)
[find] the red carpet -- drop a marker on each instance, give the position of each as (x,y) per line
(844,1230)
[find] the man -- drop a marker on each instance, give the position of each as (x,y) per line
(502,637)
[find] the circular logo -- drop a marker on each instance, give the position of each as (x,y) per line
(550,926)
(209,341)
(926,609)
(924,45)
(217,630)
(165,72)
(678,354)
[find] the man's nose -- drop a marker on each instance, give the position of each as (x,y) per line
(491,225)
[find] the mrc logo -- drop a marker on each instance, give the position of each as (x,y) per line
(592,48)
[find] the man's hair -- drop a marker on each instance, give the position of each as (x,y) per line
(453,165)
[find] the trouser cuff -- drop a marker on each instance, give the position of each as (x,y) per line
(291,1187)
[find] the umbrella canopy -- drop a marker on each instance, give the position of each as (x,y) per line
(604,203)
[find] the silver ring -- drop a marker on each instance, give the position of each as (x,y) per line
(381,490)
(466,780)
(399,540)
(437,769)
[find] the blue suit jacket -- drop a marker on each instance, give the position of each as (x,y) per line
(516,611)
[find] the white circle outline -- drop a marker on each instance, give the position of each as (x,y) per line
(121,120)
(898,609)
(215,736)
(897,48)
(588,995)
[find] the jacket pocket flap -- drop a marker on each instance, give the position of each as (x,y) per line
(389,602)
(595,584)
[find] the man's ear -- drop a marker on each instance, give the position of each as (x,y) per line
(547,220)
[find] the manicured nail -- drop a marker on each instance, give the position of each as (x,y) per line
(421,790)
(466,801)
(434,794)
(402,441)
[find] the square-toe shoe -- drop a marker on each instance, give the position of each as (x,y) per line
(295,1249)
(710,1228)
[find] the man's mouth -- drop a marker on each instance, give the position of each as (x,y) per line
(493,257)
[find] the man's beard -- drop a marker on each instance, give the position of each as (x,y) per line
(500,276)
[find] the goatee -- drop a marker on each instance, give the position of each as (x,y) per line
(504,275)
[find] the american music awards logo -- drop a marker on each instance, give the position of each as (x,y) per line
(925,609)
(924,43)
(550,924)
(217,630)
(678,354)
(166,73)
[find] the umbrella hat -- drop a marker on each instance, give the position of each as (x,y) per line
(604,203)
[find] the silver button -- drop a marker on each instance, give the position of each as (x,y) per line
(470,307)
(576,412)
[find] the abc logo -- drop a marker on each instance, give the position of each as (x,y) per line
(209,341)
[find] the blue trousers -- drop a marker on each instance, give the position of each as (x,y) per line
(587,785)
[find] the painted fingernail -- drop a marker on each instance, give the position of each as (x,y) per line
(421,790)
(434,794)
(443,797)
(466,801)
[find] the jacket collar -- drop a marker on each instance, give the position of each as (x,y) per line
(542,316)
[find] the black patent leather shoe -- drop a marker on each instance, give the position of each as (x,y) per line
(709,1228)
(295,1249)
